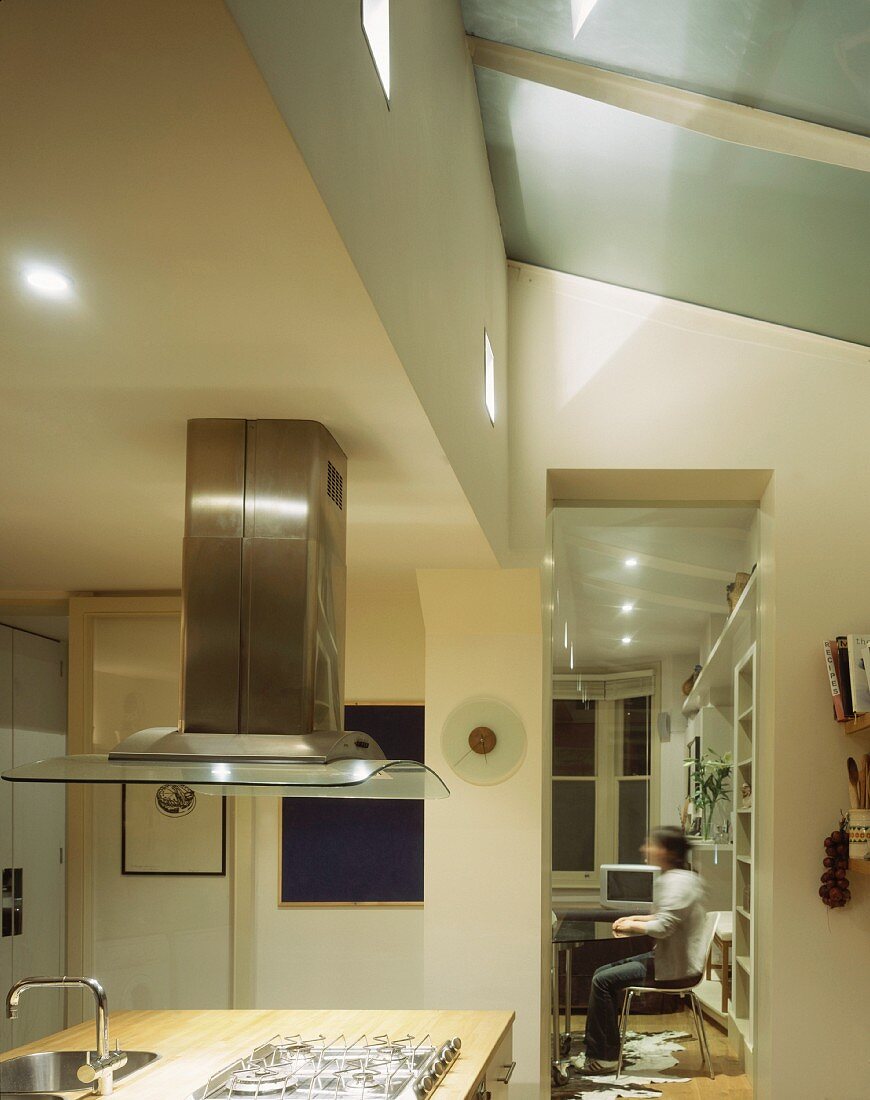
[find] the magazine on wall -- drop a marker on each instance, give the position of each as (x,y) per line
(857,644)
(833,668)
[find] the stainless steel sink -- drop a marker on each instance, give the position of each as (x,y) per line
(54,1072)
(30,1095)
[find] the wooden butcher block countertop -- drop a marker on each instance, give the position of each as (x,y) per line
(195,1044)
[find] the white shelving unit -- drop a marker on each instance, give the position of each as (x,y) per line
(740,1008)
(726,689)
(715,680)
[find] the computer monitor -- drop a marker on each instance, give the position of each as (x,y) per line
(628,886)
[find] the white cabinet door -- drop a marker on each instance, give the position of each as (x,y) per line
(38,828)
(500,1069)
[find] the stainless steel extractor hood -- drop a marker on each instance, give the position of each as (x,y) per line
(263,593)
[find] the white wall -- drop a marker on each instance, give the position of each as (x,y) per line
(606,378)
(328,958)
(408,187)
(160,941)
(486,886)
(673,752)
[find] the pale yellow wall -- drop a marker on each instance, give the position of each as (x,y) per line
(409,190)
(384,656)
(485,875)
(609,378)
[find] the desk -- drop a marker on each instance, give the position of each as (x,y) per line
(575,929)
(570,931)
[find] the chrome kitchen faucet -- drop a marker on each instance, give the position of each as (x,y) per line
(99,1070)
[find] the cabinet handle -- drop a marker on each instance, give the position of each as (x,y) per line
(17,901)
(510,1072)
(6,919)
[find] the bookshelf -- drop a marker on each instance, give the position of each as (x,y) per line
(740,1008)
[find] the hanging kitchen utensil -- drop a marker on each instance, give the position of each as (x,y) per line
(854,784)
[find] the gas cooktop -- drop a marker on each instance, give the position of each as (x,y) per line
(382,1068)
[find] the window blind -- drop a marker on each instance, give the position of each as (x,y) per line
(620,685)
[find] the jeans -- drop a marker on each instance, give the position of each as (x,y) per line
(605,1003)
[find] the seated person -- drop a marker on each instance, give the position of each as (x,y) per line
(677,923)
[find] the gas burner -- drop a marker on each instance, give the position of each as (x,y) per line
(268,1081)
(359,1079)
(311,1069)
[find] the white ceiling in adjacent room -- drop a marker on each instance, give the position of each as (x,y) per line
(651,575)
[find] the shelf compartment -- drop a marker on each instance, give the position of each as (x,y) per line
(859,724)
(743,912)
(859,866)
(745,962)
(745,859)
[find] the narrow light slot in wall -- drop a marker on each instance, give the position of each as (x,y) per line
(488,377)
(376,28)
(580,12)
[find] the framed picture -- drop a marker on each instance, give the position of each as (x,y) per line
(172,829)
(338,852)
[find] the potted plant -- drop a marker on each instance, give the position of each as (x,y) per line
(711,785)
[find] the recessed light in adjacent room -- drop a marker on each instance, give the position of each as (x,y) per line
(630,563)
(628,607)
(47,281)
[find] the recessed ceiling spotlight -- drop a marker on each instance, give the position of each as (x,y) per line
(47,281)
(572,655)
(628,607)
(566,634)
(626,640)
(630,563)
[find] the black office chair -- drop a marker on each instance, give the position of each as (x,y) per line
(711,923)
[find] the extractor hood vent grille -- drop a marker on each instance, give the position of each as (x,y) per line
(335,485)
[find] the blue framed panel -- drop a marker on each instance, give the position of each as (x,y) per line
(345,851)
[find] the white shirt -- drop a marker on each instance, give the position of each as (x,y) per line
(678,925)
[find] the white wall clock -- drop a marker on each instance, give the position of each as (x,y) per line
(483,741)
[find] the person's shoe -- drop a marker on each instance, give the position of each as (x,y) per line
(597,1067)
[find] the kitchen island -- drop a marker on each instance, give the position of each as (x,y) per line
(193,1045)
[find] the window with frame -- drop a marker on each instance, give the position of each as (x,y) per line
(605,773)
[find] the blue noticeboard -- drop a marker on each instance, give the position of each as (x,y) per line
(346,851)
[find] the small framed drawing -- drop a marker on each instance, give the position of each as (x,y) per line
(172,830)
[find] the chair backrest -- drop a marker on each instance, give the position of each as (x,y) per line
(711,923)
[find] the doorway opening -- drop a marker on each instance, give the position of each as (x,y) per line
(654,705)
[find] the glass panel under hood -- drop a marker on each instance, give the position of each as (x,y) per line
(341,779)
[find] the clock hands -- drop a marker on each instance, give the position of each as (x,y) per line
(481,740)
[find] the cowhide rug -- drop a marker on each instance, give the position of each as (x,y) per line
(646,1055)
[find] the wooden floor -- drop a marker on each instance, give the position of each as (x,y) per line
(730,1082)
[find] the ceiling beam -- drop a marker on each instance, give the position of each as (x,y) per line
(717,118)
